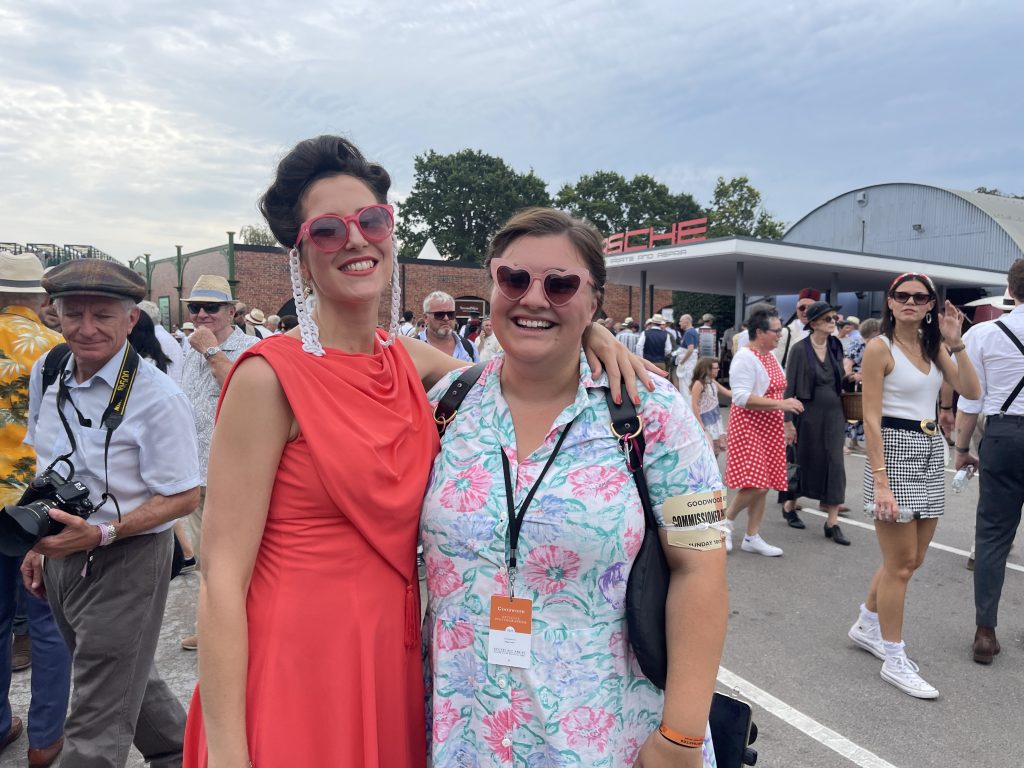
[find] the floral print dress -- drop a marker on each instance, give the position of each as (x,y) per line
(584,700)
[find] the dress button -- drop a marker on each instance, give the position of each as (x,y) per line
(502,682)
(506,742)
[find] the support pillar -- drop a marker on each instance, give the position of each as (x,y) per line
(741,302)
(644,314)
(179,268)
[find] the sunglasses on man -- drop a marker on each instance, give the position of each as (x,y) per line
(329,232)
(444,315)
(211,309)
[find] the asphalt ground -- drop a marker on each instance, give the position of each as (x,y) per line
(818,699)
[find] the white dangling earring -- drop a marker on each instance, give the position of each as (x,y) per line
(928,318)
(307,325)
(396,296)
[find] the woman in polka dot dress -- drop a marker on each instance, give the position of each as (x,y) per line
(757,442)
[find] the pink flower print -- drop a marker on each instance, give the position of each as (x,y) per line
(597,481)
(520,707)
(441,576)
(499,733)
(655,421)
(445,717)
(453,635)
(501,582)
(549,567)
(633,541)
(468,490)
(588,728)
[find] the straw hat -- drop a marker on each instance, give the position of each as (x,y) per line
(658,319)
(188,326)
(20,273)
(210,289)
(256,317)
(1004,302)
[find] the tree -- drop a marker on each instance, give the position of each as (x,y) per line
(613,204)
(736,209)
(461,200)
(994,191)
(257,234)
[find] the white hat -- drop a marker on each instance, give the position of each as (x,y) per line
(20,272)
(852,320)
(658,319)
(1004,302)
(188,326)
(628,321)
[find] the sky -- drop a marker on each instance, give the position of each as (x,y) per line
(138,126)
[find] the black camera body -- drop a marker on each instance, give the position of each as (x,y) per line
(24,523)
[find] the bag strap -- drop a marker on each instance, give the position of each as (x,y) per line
(467,345)
(54,363)
(628,428)
(447,407)
(1020,384)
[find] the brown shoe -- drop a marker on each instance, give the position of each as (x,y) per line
(21,653)
(985,645)
(191,643)
(12,733)
(45,756)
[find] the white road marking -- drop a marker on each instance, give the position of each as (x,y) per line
(808,725)
(870,527)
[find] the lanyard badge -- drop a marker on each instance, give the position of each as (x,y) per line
(511,619)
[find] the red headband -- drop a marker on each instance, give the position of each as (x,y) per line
(918,275)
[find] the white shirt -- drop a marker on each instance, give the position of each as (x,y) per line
(1000,365)
(792,333)
(152,453)
(747,376)
(173,350)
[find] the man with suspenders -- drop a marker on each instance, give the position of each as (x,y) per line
(997,351)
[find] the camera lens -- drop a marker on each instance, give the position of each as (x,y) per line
(21,526)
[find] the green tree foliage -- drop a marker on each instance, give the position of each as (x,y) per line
(994,191)
(736,209)
(696,305)
(460,200)
(613,204)
(256,234)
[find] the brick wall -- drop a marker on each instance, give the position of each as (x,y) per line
(261,274)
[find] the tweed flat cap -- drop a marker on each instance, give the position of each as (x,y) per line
(94,277)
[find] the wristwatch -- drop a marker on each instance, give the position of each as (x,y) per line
(210,352)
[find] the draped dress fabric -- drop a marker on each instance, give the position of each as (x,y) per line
(757,439)
(334,669)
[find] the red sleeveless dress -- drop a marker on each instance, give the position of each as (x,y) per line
(335,672)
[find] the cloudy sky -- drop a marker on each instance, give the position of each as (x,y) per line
(135,126)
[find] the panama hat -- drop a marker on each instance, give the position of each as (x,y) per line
(210,289)
(1004,302)
(256,317)
(20,273)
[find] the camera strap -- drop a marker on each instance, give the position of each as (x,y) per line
(112,417)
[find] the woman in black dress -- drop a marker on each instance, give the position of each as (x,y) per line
(814,374)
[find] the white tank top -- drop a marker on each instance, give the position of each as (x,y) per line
(906,392)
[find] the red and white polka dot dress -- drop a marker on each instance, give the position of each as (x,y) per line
(757,439)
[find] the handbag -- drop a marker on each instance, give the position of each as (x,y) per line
(732,726)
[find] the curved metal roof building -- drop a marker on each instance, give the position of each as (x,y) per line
(919,222)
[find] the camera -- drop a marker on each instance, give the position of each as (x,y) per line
(25,523)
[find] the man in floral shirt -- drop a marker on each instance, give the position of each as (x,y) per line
(23,340)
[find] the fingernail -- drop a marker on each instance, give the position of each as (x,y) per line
(636,400)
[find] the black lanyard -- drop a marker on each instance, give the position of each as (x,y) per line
(515,520)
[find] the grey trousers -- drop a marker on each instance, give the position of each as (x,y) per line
(1001,496)
(111,620)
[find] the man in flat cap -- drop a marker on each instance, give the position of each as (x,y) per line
(116,419)
(212,348)
(23,340)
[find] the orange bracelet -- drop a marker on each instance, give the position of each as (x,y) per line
(690,742)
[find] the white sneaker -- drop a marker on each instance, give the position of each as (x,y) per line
(868,637)
(902,672)
(727,526)
(760,546)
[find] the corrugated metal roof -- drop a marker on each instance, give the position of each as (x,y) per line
(1007,212)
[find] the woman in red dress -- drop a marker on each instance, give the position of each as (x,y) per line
(756,456)
(309,603)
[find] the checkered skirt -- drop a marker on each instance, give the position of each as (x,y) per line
(915,463)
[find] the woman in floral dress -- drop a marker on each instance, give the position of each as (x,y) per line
(581,699)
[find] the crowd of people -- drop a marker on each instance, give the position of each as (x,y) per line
(297,463)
